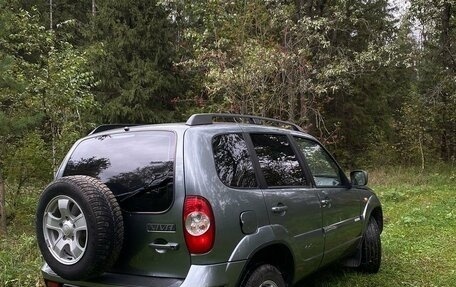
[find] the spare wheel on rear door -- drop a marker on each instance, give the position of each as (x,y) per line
(79,227)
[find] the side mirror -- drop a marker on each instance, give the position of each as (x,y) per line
(358,177)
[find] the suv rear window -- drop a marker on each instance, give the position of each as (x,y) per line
(138,167)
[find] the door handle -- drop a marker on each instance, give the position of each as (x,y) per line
(280,209)
(164,247)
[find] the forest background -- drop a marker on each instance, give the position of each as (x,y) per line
(373,80)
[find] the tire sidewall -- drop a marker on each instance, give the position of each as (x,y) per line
(263,273)
(84,267)
(371,250)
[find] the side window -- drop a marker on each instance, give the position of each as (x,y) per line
(278,161)
(323,168)
(232,161)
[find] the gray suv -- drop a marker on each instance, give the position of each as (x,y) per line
(221,200)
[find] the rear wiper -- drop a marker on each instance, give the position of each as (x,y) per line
(156,186)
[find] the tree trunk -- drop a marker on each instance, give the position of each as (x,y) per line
(54,148)
(447,65)
(420,141)
(93,8)
(445,44)
(50,15)
(2,208)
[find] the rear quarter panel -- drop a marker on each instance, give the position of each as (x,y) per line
(227,203)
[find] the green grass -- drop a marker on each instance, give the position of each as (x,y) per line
(419,239)
(20,260)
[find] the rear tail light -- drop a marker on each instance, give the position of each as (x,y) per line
(199,225)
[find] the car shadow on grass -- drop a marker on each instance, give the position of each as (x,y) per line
(332,275)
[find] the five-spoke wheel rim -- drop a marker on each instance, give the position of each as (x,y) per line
(65,229)
(268,283)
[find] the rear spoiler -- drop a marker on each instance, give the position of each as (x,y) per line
(108,127)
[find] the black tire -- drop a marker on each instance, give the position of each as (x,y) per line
(79,227)
(265,275)
(371,250)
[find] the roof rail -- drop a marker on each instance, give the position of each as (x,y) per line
(108,127)
(206,119)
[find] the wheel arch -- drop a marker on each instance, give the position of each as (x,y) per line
(373,208)
(377,214)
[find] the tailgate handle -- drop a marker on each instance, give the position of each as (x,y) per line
(163,247)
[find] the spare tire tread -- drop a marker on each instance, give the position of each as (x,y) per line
(104,255)
(100,211)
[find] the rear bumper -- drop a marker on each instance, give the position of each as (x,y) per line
(216,275)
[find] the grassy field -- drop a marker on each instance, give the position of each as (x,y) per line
(20,260)
(419,239)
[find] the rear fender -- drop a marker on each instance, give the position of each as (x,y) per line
(265,235)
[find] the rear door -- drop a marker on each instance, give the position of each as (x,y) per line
(144,170)
(293,205)
(341,206)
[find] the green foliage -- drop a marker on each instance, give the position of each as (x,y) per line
(26,162)
(28,159)
(45,100)
(20,260)
(137,80)
(412,127)
(326,67)
(435,83)
(377,88)
(61,92)
(52,81)
(341,69)
(22,52)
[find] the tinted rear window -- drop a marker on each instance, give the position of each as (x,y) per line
(137,167)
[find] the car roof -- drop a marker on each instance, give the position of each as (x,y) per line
(211,122)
